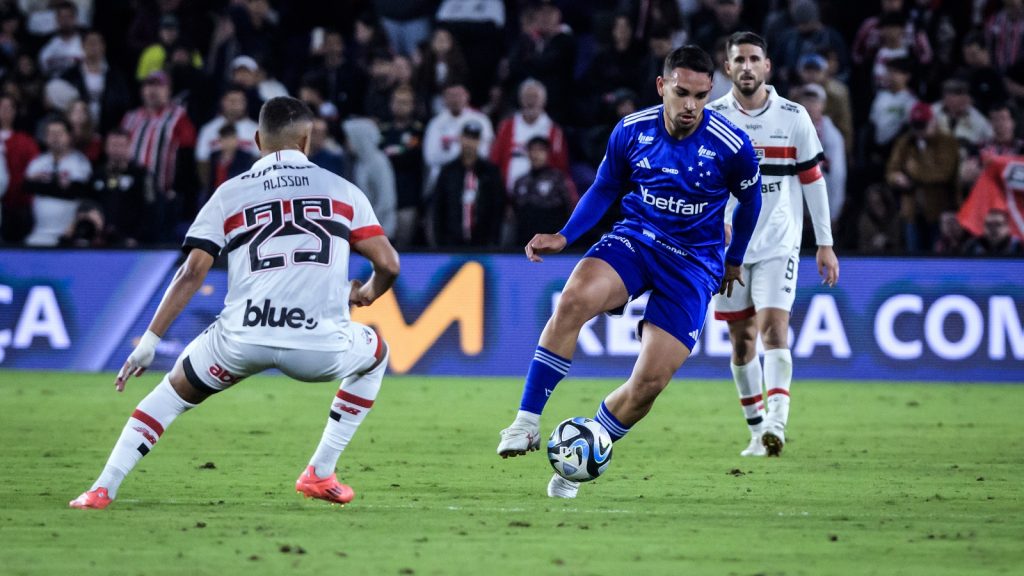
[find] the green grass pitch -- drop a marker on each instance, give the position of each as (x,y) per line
(878,478)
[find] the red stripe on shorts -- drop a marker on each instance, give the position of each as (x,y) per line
(734,316)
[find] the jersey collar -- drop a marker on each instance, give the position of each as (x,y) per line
(292,156)
(767,104)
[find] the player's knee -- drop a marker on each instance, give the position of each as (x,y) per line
(743,350)
(775,335)
(575,307)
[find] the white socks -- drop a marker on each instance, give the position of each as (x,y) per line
(147,423)
(349,408)
(778,375)
(748,384)
(527,419)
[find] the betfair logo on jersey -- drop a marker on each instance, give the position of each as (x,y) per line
(269,315)
(672,205)
(705,153)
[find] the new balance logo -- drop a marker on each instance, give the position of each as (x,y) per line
(705,153)
(644,139)
(644,163)
(694,334)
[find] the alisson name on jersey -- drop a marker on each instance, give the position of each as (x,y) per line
(285,181)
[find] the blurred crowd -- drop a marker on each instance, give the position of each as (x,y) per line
(477,123)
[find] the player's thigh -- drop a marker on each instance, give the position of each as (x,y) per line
(739,306)
(214,362)
(367,353)
(679,300)
(609,275)
(773,282)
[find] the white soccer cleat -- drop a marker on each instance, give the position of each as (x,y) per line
(518,439)
(755,448)
(773,438)
(559,487)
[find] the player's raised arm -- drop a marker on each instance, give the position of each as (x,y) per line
(812,183)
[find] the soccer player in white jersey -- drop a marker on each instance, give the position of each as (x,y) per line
(789,151)
(288,227)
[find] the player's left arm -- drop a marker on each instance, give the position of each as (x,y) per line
(203,241)
(812,182)
(745,186)
(187,280)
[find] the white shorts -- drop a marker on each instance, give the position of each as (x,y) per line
(213,361)
(770,283)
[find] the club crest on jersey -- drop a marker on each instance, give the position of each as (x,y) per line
(644,139)
(705,153)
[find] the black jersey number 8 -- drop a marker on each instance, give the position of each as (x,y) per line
(270,217)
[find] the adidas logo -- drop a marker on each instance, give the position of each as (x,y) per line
(644,163)
(695,334)
(644,139)
(705,153)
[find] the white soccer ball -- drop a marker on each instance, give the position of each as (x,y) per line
(580,449)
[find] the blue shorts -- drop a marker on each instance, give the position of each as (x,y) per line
(680,287)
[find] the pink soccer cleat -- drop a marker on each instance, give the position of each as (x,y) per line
(329,489)
(97,499)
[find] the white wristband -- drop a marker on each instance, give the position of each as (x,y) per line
(149,339)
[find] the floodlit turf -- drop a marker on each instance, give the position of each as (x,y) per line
(879,478)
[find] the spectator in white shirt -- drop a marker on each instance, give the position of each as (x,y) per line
(64,50)
(890,111)
(441,141)
(58,179)
(233,110)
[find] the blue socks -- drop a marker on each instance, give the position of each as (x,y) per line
(615,428)
(546,371)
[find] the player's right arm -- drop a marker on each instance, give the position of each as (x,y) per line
(384,259)
(611,177)
(745,186)
(368,239)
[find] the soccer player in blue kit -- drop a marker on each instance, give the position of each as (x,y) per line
(677,164)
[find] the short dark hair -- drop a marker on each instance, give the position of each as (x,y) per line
(689,57)
(751,38)
(58,119)
(538,141)
(282,111)
(227,129)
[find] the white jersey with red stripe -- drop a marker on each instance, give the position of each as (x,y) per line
(789,151)
(286,226)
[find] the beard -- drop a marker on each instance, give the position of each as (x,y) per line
(750,89)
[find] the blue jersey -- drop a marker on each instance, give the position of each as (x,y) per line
(676,190)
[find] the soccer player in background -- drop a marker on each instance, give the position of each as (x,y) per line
(786,142)
(677,164)
(288,227)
